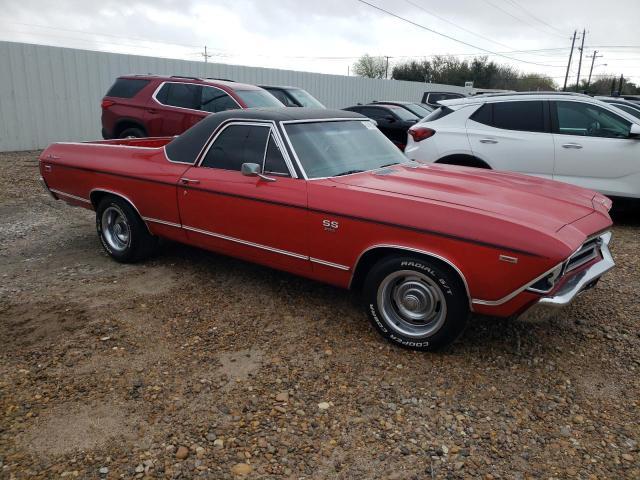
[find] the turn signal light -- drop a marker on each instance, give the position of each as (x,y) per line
(107,103)
(421,133)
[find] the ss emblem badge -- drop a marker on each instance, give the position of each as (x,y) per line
(330,225)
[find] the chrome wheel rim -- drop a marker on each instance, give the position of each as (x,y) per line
(115,229)
(412,304)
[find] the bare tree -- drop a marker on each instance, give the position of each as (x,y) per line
(370,67)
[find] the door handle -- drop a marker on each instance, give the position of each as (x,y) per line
(490,141)
(577,146)
(189,181)
(152,110)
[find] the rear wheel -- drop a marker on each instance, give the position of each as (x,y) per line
(122,232)
(132,132)
(416,303)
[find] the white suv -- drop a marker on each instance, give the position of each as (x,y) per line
(568,137)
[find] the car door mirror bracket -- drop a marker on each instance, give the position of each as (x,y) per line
(254,170)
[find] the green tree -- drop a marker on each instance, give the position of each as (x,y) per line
(480,70)
(370,67)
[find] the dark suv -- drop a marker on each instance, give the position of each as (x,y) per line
(293,96)
(393,121)
(157,106)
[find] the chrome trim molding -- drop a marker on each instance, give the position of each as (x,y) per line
(46,187)
(250,122)
(244,242)
(161,222)
(582,280)
(124,198)
(68,195)
(329,264)
(606,237)
(423,252)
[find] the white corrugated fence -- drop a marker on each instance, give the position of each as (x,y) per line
(50,94)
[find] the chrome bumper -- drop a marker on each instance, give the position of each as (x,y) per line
(46,187)
(583,280)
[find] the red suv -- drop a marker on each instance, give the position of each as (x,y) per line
(156,106)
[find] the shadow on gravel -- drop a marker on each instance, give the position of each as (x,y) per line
(484,335)
(626,212)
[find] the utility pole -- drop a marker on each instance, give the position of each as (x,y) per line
(584,33)
(573,42)
(206,55)
(386,68)
(621,84)
(593,60)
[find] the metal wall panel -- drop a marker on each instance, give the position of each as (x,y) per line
(50,94)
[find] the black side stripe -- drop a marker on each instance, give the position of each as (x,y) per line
(314,210)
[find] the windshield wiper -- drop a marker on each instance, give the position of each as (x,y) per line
(348,172)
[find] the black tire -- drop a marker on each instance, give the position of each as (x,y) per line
(134,132)
(415,302)
(122,232)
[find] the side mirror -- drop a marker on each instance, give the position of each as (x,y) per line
(254,170)
(635,131)
(390,118)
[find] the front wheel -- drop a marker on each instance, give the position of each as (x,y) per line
(416,303)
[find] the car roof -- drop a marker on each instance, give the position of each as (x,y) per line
(186,147)
(281,87)
(187,79)
(392,102)
(503,97)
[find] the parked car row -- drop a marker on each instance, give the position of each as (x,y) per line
(155,106)
(568,137)
(323,194)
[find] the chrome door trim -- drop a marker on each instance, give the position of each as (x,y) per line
(244,242)
(329,264)
(416,250)
(68,195)
(250,122)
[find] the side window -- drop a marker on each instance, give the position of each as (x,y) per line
(237,144)
(523,116)
(274,161)
(576,118)
(183,95)
(127,87)
(378,114)
(215,100)
(483,115)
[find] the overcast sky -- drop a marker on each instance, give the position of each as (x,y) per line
(296,34)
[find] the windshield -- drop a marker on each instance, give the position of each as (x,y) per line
(304,98)
(403,113)
(258,98)
(328,149)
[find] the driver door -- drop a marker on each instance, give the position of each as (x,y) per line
(247,216)
(593,148)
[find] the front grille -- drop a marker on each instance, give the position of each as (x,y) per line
(588,251)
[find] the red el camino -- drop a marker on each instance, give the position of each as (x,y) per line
(325,195)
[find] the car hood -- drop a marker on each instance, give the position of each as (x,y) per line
(532,201)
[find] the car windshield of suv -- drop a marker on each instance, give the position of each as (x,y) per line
(258,99)
(329,149)
(403,113)
(304,98)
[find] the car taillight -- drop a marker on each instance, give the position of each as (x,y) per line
(420,133)
(107,103)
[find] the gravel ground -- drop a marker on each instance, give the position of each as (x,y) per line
(195,365)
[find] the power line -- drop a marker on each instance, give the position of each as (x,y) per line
(455,24)
(506,12)
(450,37)
(528,12)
